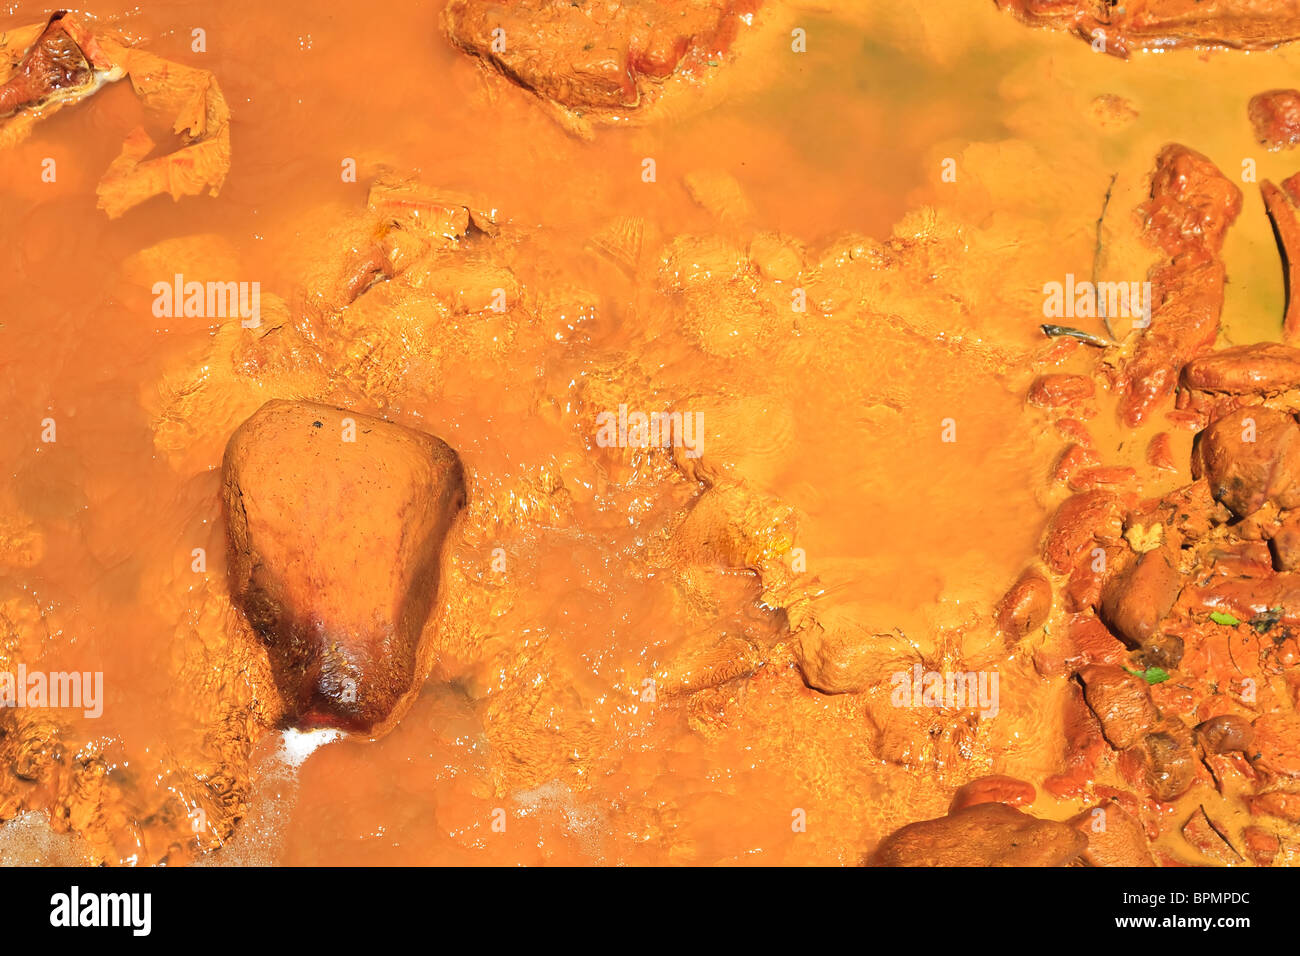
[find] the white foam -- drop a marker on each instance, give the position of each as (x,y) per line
(259,838)
(297,745)
(27,840)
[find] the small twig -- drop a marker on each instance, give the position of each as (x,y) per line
(1096,258)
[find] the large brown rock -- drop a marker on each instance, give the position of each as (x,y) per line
(334,549)
(1250,457)
(1192,203)
(1225,733)
(987,834)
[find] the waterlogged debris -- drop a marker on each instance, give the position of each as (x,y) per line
(46,67)
(438,213)
(1088,338)
(1265,621)
(1209,838)
(1280,203)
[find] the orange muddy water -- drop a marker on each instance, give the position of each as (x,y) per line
(566,720)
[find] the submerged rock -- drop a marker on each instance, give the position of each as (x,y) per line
(838,654)
(994,788)
(335,525)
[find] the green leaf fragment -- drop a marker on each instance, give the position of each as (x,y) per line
(1152,675)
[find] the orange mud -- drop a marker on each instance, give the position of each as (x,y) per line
(535,714)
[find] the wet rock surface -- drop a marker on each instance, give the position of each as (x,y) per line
(1025,606)
(1191,206)
(698,577)
(1199,582)
(1275,117)
(1121,702)
(1135,602)
(1162,24)
(1171,761)
(995,788)
(1115,837)
(1250,458)
(591,57)
(336,522)
(1079,524)
(1225,734)
(1264,368)
(986,834)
